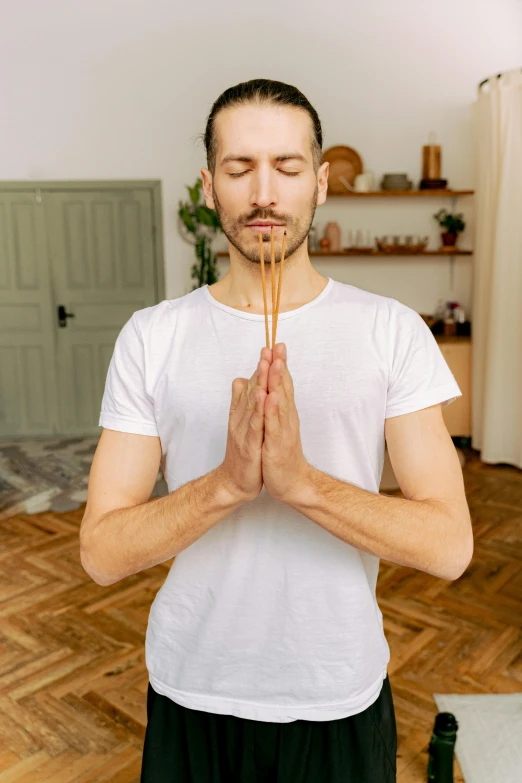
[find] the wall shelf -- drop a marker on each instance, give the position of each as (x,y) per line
(403,193)
(318,253)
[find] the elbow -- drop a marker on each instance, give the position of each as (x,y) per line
(90,565)
(460,565)
(90,570)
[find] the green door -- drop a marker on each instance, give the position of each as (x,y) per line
(94,255)
(28,404)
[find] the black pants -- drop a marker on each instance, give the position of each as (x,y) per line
(190,746)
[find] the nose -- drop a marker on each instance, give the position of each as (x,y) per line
(264,193)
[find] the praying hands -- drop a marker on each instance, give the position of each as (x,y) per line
(264,438)
(284,466)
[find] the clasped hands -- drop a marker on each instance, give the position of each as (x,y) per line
(284,466)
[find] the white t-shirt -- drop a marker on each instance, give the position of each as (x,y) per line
(268,616)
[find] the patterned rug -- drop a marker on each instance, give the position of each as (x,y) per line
(49,475)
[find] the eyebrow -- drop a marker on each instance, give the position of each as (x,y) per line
(249,159)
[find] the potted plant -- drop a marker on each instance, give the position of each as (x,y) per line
(452,223)
(198,225)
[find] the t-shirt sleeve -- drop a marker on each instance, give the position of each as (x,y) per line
(126,405)
(419,374)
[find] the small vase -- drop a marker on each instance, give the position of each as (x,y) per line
(325,244)
(448,239)
(333,233)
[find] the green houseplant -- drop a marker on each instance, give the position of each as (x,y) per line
(453,223)
(198,225)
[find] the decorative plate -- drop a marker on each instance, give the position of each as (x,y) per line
(344,162)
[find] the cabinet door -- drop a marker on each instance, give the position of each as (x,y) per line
(458,415)
(28,394)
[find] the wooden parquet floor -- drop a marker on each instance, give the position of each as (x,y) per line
(73,681)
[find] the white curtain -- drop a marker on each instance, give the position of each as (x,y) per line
(497,272)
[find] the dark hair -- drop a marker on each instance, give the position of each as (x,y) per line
(262,91)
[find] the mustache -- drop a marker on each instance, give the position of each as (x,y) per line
(260,215)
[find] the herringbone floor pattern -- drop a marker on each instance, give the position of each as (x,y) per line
(73,680)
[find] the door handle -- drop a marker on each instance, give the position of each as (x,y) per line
(63,316)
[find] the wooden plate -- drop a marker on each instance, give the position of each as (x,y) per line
(343,161)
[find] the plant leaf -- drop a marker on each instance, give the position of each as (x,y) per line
(187,218)
(203,216)
(195,191)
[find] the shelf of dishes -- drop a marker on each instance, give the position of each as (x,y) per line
(389,244)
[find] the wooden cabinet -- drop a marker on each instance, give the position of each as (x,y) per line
(457,352)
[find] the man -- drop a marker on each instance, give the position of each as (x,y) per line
(265,647)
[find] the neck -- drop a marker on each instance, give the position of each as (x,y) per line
(242,285)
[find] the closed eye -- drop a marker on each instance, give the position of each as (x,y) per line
(288,173)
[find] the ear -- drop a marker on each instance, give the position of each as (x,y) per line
(206,177)
(322,182)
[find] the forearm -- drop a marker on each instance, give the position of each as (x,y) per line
(418,534)
(128,540)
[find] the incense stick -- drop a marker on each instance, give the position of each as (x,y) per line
(275,301)
(262,262)
(272,264)
(279,284)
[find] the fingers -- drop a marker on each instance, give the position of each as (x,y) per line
(266,353)
(280,351)
(244,390)
(281,383)
(253,405)
(270,356)
(255,420)
(273,416)
(255,389)
(238,384)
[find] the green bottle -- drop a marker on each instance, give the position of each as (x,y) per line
(442,748)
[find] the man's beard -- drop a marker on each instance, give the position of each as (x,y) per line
(296,230)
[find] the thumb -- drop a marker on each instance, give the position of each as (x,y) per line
(238,385)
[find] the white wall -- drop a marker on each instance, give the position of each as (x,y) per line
(120,89)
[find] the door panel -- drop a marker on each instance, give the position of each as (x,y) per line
(28,401)
(91,251)
(103,270)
